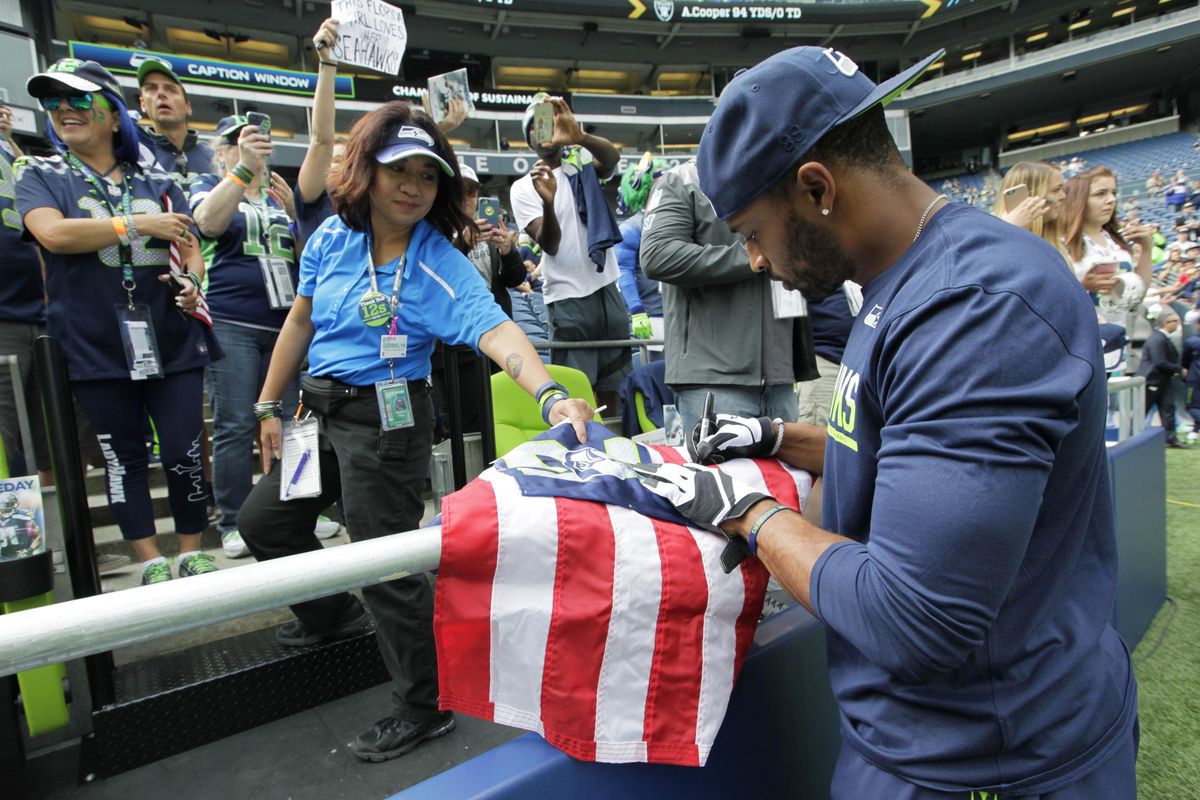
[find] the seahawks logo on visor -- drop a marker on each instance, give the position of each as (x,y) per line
(413,132)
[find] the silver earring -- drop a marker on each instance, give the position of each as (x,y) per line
(824,212)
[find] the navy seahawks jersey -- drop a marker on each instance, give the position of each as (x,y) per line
(18,533)
(21,296)
(969,636)
(237,291)
(84,289)
(156,150)
(310,215)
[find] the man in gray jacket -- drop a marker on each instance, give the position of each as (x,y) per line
(720,319)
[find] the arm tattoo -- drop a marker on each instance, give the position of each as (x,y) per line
(512,365)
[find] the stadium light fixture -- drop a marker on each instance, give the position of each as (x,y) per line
(971,56)
(1036,37)
(1083,23)
(1120,12)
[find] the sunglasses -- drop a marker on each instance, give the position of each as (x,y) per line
(79,102)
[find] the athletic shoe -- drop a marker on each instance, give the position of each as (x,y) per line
(326,528)
(391,737)
(233,545)
(156,573)
(354,620)
(196,564)
(110,562)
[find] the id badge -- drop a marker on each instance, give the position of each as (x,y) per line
(137,337)
(393,346)
(395,408)
(277,276)
(786,302)
(300,462)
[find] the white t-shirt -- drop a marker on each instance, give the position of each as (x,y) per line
(1106,251)
(571,272)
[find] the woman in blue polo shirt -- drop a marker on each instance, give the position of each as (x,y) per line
(251,285)
(133,350)
(378,284)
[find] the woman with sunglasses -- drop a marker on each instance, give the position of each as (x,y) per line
(108,231)
(379,283)
(251,285)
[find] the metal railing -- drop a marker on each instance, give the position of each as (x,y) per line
(643,345)
(91,625)
(1131,405)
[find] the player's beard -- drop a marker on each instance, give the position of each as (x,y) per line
(815,264)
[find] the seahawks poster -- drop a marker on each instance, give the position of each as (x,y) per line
(21,522)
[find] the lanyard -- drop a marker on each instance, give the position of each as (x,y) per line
(394,301)
(125,208)
(262,210)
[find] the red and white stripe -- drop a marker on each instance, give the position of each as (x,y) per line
(179,269)
(615,636)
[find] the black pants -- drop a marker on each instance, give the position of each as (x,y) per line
(380,477)
(1164,398)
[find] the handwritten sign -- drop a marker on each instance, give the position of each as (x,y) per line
(371,34)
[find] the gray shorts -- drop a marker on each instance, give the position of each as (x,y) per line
(601,315)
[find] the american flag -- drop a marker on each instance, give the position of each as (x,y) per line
(607,627)
(179,269)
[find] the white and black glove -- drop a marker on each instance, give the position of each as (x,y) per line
(705,498)
(730,436)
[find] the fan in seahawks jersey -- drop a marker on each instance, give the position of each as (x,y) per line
(19,533)
(251,283)
(106,228)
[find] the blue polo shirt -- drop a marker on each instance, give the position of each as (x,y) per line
(442,296)
(85,288)
(21,295)
(968,640)
(236,289)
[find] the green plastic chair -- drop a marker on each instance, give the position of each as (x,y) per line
(516,415)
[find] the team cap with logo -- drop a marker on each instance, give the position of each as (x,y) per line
(771,114)
(72,76)
(408,141)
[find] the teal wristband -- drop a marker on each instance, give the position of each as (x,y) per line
(752,539)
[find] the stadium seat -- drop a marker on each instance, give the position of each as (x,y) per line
(515,414)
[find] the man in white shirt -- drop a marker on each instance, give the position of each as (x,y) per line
(579,267)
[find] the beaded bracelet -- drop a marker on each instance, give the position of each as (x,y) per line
(752,539)
(266,409)
(131,227)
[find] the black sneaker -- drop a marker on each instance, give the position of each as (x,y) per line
(354,620)
(391,737)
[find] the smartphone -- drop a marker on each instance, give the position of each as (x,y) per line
(261,121)
(489,209)
(543,123)
(1015,195)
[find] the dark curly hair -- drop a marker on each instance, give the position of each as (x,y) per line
(350,182)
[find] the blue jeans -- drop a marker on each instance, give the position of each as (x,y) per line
(778,400)
(234,384)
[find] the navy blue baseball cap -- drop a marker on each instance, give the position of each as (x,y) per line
(773,113)
(408,141)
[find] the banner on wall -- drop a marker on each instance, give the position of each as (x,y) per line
(521,163)
(124,61)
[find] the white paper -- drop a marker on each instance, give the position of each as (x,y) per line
(787,302)
(300,462)
(371,34)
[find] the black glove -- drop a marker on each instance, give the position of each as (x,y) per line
(732,437)
(705,498)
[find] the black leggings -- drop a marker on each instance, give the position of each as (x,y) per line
(118,410)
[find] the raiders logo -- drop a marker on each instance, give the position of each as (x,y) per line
(664,9)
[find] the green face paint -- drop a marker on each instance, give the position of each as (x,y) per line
(101,108)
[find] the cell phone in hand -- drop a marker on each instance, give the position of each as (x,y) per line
(543,123)
(261,121)
(489,209)
(1015,195)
